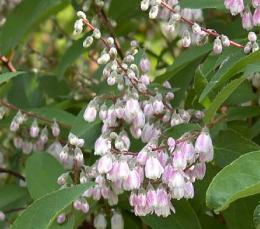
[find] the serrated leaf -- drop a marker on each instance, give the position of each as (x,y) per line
(42,171)
(221,98)
(42,212)
(9,75)
(184,218)
(239,179)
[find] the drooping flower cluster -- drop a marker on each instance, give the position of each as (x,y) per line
(249,20)
(192,32)
(164,168)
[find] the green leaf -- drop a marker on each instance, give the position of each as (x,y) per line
(239,179)
(26,15)
(184,218)
(70,55)
(42,171)
(221,97)
(179,130)
(232,66)
(240,113)
(54,113)
(188,56)
(229,145)
(43,211)
(202,4)
(88,131)
(9,75)
(11,194)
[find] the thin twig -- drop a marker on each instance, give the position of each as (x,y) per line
(13,173)
(31,114)
(8,63)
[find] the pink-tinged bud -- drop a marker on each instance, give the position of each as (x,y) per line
(105,192)
(204,147)
(133,181)
(148,109)
(102,146)
(27,147)
(256,17)
(189,151)
(72,138)
(142,156)
(171,143)
(217,46)
(105,164)
(78,156)
(151,197)
(139,120)
(131,109)
(158,106)
(145,80)
(34,130)
(55,129)
(252,37)
(177,184)
(100,221)
(112,199)
(188,190)
(179,161)
(247,20)
(18,142)
(77,205)
(96,193)
(123,170)
(186,39)
(44,135)
(235,6)
(167,174)
(14,126)
(2,216)
(103,112)
(140,198)
(85,207)
(197,171)
(136,132)
(164,207)
(61,218)
(90,114)
(117,221)
(256,3)
(162,157)
(145,65)
(64,155)
(153,168)
(62,179)
(113,174)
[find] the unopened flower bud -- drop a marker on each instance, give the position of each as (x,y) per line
(77,205)
(145,5)
(2,216)
(96,33)
(62,179)
(88,42)
(248,48)
(186,39)
(79,156)
(103,59)
(217,46)
(255,47)
(196,29)
(225,41)
(34,130)
(154,12)
(81,14)
(252,36)
(78,27)
(55,128)
(61,218)
(85,207)
(117,221)
(204,147)
(110,41)
(90,113)
(100,221)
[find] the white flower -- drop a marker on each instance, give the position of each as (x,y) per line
(153,168)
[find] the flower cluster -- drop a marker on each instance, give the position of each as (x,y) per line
(164,168)
(249,20)
(193,33)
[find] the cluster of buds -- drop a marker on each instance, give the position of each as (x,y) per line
(165,168)
(252,45)
(34,139)
(117,221)
(249,20)
(71,154)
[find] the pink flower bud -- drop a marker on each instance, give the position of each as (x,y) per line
(100,221)
(34,130)
(61,180)
(117,221)
(158,106)
(145,65)
(252,37)
(171,143)
(179,160)
(204,147)
(85,207)
(90,114)
(2,216)
(14,126)
(61,218)
(153,168)
(123,170)
(256,3)
(102,146)
(256,17)
(151,197)
(142,156)
(133,181)
(77,205)
(55,129)
(44,135)
(217,46)
(167,174)
(247,20)
(105,164)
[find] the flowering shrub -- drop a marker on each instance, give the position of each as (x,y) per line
(142,113)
